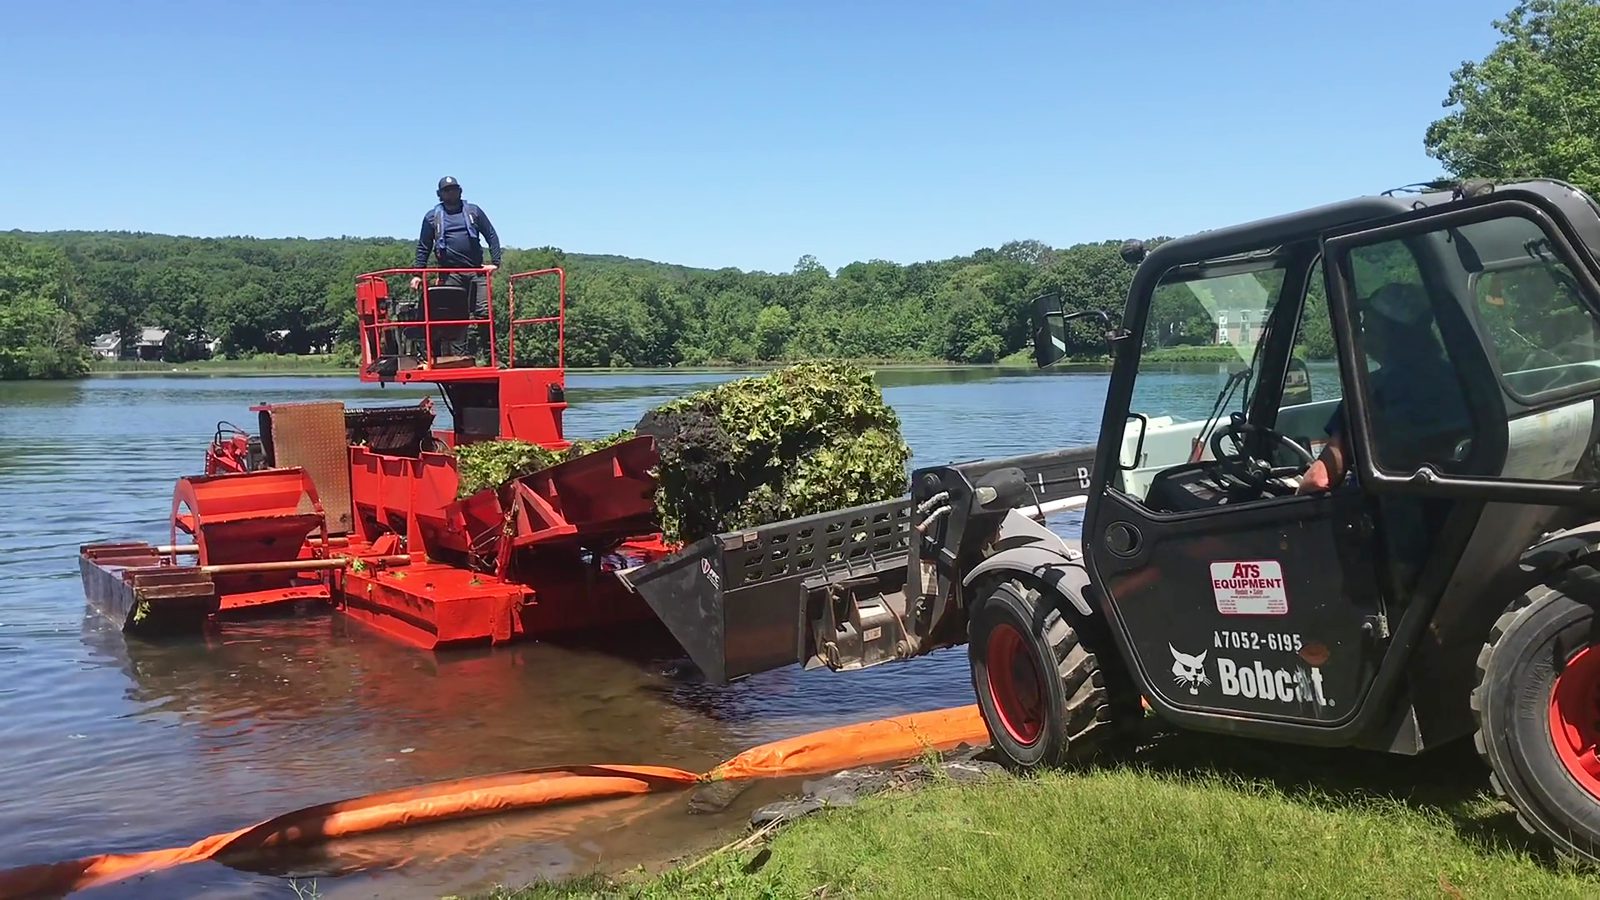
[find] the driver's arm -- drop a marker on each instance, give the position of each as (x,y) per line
(1328,469)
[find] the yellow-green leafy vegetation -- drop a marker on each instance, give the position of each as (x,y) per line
(491,464)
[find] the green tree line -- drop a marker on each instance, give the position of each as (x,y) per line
(620,312)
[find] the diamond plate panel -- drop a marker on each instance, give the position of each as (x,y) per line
(312,436)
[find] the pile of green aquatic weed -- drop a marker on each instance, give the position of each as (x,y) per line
(491,464)
(800,440)
(804,439)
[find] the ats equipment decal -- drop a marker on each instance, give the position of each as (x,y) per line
(1252,588)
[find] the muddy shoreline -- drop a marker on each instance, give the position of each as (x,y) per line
(754,815)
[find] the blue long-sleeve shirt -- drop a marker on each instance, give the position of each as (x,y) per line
(459,250)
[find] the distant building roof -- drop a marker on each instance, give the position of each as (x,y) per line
(151,336)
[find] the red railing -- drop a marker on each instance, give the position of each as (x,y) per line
(559,319)
(375,308)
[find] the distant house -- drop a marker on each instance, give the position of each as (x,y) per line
(147,343)
(152,344)
(1239,327)
(107,346)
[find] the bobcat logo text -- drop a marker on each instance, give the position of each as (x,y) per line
(1252,680)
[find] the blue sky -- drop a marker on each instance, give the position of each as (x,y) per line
(720,134)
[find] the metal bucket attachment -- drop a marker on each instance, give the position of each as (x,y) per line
(737,602)
(829,589)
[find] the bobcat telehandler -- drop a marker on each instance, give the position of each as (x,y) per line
(1426,361)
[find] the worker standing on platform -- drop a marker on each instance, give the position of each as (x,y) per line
(450,233)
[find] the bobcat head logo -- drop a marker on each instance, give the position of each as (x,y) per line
(1189,670)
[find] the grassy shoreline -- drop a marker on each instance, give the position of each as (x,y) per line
(326,365)
(322,366)
(1194,815)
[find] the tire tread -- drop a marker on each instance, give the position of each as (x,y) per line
(1102,707)
(1480,700)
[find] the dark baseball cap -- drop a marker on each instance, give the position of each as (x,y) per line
(1401,302)
(448,181)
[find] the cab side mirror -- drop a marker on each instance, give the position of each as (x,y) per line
(1296,383)
(1049,331)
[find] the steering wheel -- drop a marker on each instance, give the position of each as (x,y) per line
(1253,473)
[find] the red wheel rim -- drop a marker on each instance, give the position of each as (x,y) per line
(1014,685)
(1575,718)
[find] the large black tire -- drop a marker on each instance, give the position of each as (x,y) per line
(1051,687)
(1539,646)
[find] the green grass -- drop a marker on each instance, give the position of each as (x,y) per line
(325,365)
(301,365)
(1192,354)
(1193,816)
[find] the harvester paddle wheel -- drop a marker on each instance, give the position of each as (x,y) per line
(242,524)
(257,539)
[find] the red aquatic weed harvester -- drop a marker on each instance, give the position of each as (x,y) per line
(358,508)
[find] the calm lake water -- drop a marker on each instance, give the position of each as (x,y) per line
(110,744)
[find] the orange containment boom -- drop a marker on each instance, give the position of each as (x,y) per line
(866,743)
(862,744)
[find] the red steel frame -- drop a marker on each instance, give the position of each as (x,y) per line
(371,332)
(560,318)
(407,521)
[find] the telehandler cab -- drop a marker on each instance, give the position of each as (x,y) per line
(1444,339)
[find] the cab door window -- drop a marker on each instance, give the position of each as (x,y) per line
(1419,409)
(1199,364)
(1544,340)
(1529,324)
